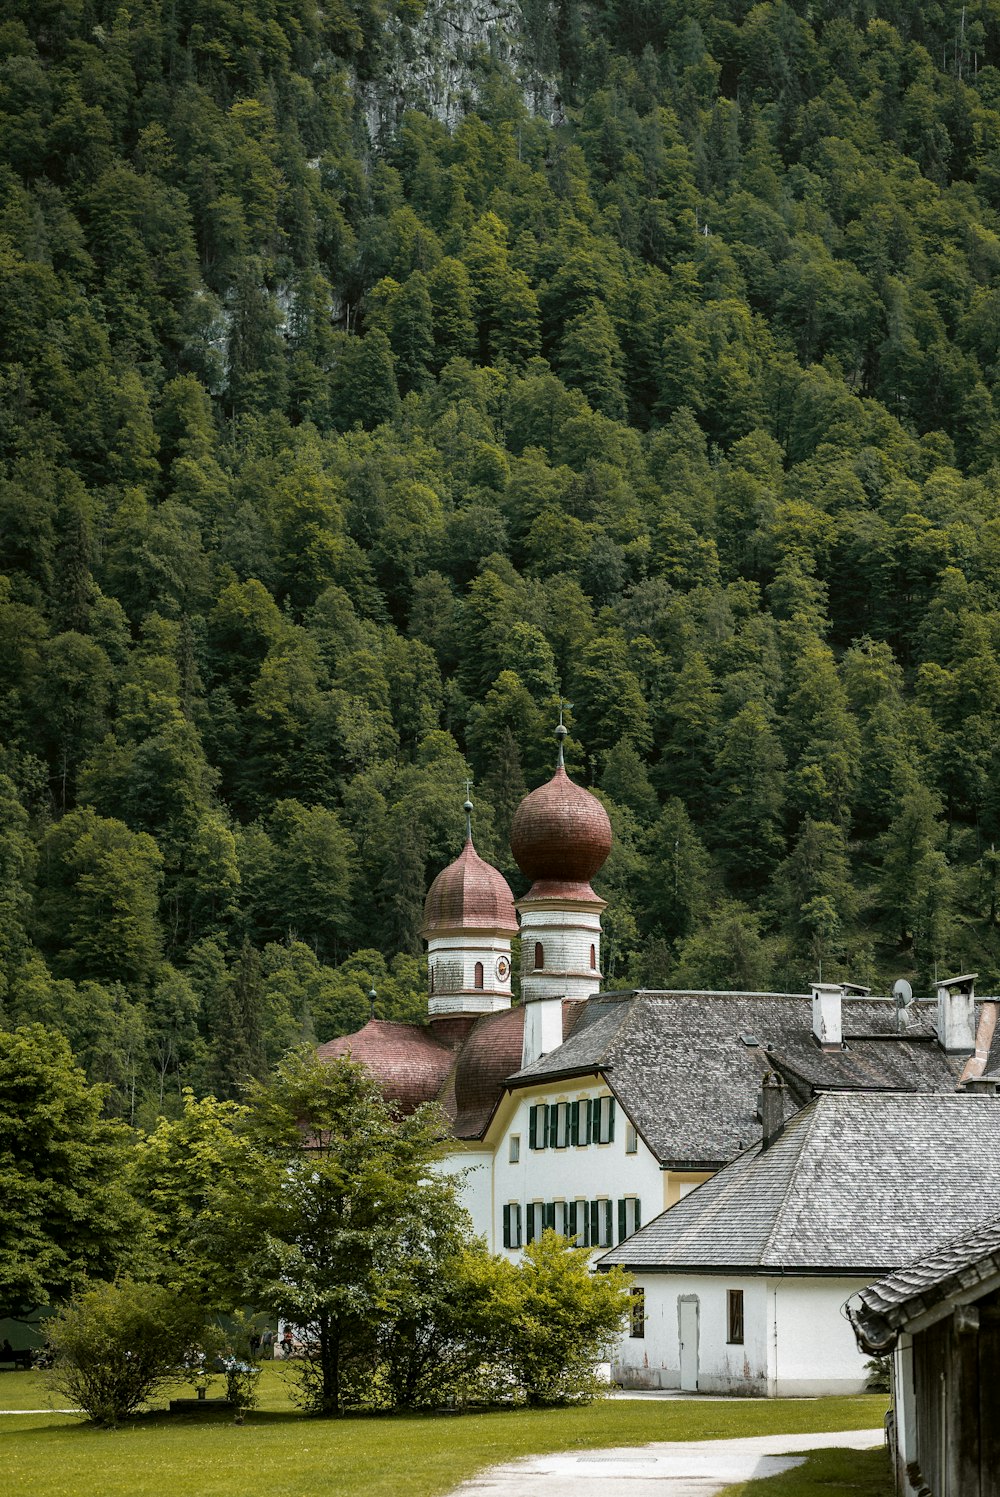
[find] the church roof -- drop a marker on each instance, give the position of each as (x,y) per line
(857,1183)
(408,1062)
(687,1067)
(469,895)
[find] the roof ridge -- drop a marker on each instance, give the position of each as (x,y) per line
(624,1019)
(805,1128)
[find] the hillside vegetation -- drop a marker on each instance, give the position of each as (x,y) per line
(328,466)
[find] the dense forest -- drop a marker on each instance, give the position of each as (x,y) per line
(338,446)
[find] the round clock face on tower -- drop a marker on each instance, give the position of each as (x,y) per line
(503,968)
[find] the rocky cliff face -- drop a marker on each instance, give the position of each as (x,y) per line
(439,63)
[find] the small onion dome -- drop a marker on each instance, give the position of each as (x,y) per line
(561,833)
(406,1060)
(469,895)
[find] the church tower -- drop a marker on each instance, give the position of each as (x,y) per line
(469,919)
(560,838)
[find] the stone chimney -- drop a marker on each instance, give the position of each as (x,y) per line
(983,1086)
(956,1014)
(772,1108)
(828,1024)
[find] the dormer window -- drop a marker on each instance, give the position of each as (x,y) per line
(539,956)
(478,981)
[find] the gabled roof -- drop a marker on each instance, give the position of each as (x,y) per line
(953,1271)
(856,1184)
(684,1070)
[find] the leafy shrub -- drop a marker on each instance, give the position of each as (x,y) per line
(241,1385)
(117,1344)
(557,1321)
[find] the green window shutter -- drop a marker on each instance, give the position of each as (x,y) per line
(607,1223)
(573,1124)
(553,1125)
(611,1121)
(529,1223)
(622,1227)
(564,1228)
(589,1121)
(549,1216)
(571,1227)
(506,1227)
(638,1215)
(532,1124)
(595,1223)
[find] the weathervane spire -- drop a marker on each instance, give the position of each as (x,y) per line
(467,808)
(561,731)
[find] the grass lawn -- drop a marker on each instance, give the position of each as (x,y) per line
(827,1473)
(279,1452)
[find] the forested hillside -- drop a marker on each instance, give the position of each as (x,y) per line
(329,464)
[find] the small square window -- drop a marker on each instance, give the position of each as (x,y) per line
(735,1317)
(515,1148)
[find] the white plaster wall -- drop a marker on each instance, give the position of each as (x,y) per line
(816,1348)
(588,1172)
(475,1191)
(802,1352)
(566,936)
(653,1361)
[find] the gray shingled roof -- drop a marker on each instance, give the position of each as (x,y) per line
(955,1270)
(857,1183)
(678,1065)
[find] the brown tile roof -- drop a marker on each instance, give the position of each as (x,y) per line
(490,1054)
(407,1061)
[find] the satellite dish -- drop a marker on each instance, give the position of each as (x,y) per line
(903,994)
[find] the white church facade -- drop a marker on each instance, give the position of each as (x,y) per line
(592,1112)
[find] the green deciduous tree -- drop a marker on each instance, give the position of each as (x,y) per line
(559,1320)
(65,1214)
(344,1196)
(97,898)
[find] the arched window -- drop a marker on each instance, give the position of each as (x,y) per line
(539,956)
(593,958)
(479,975)
(432,979)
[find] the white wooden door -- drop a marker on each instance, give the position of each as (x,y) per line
(688,1316)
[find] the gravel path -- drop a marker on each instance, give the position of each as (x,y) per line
(690,1468)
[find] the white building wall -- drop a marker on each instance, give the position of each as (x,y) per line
(583,1172)
(794,1341)
(475,1191)
(816,1347)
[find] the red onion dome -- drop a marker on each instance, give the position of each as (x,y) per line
(561,833)
(469,895)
